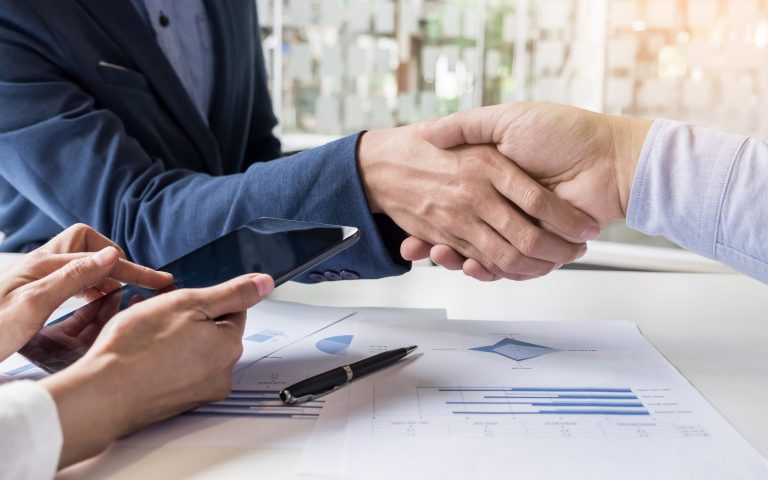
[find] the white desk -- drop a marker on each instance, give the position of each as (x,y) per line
(712,327)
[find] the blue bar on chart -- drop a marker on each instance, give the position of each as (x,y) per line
(259,403)
(460,400)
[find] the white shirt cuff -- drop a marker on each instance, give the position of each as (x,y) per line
(31,440)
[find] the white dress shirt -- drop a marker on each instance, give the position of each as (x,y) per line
(707,191)
(183,32)
(30,432)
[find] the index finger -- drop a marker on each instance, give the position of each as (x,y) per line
(80,238)
(123,271)
(135,274)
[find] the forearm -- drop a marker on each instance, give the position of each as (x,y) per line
(704,190)
(92,409)
(158,213)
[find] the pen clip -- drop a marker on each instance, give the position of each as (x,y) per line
(289,399)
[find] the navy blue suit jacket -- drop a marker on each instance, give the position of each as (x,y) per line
(125,150)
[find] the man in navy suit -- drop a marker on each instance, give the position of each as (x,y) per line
(151,121)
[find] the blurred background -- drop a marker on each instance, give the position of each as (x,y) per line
(340,66)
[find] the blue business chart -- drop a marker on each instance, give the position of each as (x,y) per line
(515,349)
(337,345)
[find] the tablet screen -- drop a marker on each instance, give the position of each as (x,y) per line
(281,248)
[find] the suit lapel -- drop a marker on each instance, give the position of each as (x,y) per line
(126,27)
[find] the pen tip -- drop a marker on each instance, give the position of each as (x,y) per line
(410,349)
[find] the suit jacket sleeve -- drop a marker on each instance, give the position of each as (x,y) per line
(77,164)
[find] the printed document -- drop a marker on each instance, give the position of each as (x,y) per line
(577,400)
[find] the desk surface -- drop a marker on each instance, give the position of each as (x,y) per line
(712,327)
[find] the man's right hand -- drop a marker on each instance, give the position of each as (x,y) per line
(158,358)
(473,200)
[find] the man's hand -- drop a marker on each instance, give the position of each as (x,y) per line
(158,358)
(64,267)
(585,158)
(474,200)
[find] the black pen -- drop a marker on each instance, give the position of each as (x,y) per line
(331,380)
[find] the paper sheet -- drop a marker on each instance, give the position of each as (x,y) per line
(577,400)
(271,327)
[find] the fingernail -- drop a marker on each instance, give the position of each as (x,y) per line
(590,233)
(264,283)
(105,257)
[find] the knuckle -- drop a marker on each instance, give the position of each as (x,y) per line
(529,241)
(534,201)
(508,226)
(461,246)
(509,261)
(36,264)
(464,193)
(34,256)
(539,269)
(78,228)
(183,299)
(76,269)
(241,290)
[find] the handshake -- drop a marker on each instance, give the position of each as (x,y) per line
(509,191)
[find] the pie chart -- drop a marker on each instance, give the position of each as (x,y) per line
(337,345)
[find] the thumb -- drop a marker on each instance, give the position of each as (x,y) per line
(476,126)
(48,293)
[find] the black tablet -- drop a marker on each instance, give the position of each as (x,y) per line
(281,248)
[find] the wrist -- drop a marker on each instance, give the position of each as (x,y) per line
(628,139)
(91,407)
(369,164)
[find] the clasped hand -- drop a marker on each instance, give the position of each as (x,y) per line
(523,186)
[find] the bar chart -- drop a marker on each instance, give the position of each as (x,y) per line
(259,403)
(586,412)
(531,401)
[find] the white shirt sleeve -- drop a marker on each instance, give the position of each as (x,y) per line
(707,191)
(30,432)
